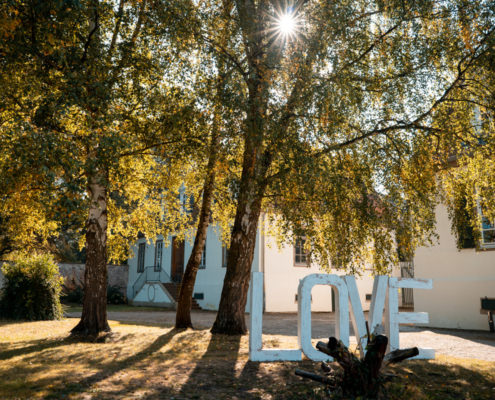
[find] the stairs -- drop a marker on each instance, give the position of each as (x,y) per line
(173,289)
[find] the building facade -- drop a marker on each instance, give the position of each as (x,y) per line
(156,269)
(461,277)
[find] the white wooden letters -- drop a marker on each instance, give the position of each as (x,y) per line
(347,291)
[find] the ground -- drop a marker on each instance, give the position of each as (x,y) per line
(147,359)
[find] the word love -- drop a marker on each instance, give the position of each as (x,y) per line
(384,288)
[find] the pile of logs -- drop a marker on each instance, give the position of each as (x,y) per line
(357,377)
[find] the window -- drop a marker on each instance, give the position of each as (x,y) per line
(225,255)
(141,250)
(202,264)
(487,231)
(198,296)
(466,237)
(301,255)
(158,255)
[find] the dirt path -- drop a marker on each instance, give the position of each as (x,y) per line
(455,343)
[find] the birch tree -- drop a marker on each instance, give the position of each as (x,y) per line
(335,100)
(89,122)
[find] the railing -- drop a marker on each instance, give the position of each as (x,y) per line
(407,271)
(150,274)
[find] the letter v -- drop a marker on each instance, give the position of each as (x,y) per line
(376,309)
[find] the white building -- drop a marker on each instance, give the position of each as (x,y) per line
(461,277)
(155,271)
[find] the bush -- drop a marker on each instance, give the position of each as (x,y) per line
(31,289)
(74,294)
(115,296)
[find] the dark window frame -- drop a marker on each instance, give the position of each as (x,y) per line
(158,255)
(141,257)
(202,263)
(300,256)
(225,255)
(491,228)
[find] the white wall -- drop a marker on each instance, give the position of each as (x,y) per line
(209,280)
(282,280)
(460,279)
(153,294)
(149,259)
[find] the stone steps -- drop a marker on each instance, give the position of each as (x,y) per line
(173,289)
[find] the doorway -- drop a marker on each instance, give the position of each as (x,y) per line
(177,267)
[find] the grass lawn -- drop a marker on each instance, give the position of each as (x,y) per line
(152,362)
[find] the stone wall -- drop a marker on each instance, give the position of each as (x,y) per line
(74,275)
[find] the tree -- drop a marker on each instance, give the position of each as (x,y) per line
(468,116)
(216,92)
(337,123)
(88,127)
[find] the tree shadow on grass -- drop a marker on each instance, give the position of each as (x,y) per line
(437,380)
(109,369)
(33,347)
(216,368)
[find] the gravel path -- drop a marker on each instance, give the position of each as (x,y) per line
(455,343)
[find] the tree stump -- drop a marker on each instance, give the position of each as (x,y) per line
(359,377)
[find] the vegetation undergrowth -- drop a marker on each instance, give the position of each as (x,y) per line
(32,288)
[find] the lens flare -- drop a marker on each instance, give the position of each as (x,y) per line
(287,24)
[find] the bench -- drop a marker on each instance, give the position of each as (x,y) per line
(488,306)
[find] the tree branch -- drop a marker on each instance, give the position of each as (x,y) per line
(117,27)
(90,35)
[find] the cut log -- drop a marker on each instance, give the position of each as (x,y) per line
(325,367)
(375,354)
(315,377)
(401,355)
(359,377)
(336,349)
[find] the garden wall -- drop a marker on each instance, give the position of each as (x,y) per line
(74,275)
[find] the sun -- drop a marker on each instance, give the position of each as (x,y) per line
(286,24)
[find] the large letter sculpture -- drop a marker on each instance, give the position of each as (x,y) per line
(347,291)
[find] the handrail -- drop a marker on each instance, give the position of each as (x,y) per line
(146,276)
(138,284)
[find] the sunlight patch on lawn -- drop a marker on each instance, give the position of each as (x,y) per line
(38,360)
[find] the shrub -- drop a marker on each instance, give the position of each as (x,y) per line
(31,289)
(115,296)
(73,294)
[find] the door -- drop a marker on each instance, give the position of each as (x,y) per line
(177,267)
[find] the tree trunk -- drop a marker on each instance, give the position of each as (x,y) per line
(230,317)
(256,162)
(183,315)
(94,312)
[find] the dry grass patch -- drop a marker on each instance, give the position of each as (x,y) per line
(37,360)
